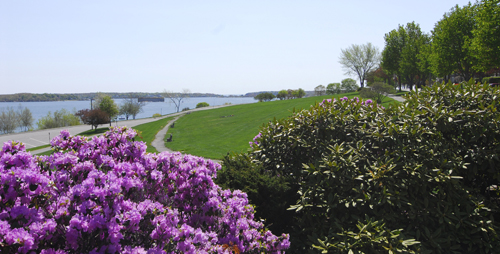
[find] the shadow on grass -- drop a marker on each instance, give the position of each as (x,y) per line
(37,148)
(93,132)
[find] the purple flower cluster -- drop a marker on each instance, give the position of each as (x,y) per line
(107,195)
(255,142)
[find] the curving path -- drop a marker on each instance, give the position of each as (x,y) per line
(159,142)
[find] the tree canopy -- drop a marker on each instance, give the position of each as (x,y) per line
(452,38)
(465,43)
(264,96)
(359,60)
(131,107)
(94,117)
(108,105)
(404,52)
(486,42)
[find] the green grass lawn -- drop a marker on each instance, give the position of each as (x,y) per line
(213,133)
(147,132)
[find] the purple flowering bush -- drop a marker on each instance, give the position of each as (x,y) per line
(107,195)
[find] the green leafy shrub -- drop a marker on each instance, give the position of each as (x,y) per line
(269,193)
(202,104)
(60,118)
(377,91)
(418,177)
(155,115)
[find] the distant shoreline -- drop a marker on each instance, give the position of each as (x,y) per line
(31,97)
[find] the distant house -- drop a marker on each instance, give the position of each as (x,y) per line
(151,99)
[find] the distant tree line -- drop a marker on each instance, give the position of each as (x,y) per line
(346,86)
(282,95)
(27,97)
(291,94)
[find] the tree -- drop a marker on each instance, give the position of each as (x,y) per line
(333,88)
(348,85)
(8,120)
(108,105)
(404,52)
(486,42)
(131,107)
(359,60)
(391,55)
(264,96)
(25,118)
(320,90)
(176,98)
(300,93)
(61,118)
(282,95)
(93,117)
(410,55)
(452,43)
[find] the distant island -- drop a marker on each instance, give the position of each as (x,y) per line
(28,97)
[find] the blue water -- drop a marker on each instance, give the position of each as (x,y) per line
(41,109)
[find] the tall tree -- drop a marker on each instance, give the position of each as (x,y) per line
(452,38)
(359,60)
(333,88)
(391,55)
(403,53)
(25,118)
(486,42)
(348,85)
(131,107)
(176,98)
(108,105)
(319,90)
(282,94)
(299,93)
(410,54)
(8,120)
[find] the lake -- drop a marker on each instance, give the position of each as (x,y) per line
(41,109)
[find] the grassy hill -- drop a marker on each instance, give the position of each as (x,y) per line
(214,133)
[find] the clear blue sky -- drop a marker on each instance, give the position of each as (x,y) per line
(223,47)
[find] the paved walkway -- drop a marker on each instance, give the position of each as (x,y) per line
(159,142)
(396,97)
